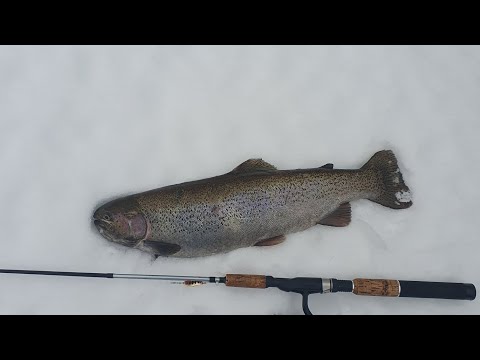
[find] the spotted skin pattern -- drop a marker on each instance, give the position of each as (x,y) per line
(247,205)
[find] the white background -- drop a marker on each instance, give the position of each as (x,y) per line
(79,125)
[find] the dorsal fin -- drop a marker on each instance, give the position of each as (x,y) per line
(253,165)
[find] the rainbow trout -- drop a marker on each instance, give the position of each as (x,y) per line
(253,205)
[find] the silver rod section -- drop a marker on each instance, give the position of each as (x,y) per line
(161,277)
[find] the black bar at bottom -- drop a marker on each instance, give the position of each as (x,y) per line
(437,290)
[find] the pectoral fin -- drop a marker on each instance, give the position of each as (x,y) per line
(340,217)
(161,248)
(272,241)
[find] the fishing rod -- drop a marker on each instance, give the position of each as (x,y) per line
(301,285)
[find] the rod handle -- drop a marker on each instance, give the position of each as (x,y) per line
(246,281)
(376,287)
(414,289)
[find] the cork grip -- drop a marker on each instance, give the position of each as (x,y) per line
(376,287)
(246,281)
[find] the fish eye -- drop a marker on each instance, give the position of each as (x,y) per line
(106,217)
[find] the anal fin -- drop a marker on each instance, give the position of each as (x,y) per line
(272,241)
(340,217)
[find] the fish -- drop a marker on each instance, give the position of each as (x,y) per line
(255,204)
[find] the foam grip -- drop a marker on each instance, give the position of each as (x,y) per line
(437,290)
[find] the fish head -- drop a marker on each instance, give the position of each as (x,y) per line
(121,221)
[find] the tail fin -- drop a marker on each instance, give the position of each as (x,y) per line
(394,193)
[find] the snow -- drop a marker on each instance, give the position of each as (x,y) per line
(403,196)
(80,125)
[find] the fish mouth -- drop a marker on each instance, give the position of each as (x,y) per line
(103,228)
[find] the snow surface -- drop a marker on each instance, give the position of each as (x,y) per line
(79,125)
(403,196)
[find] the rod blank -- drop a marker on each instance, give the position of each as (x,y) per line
(58,273)
(111,275)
